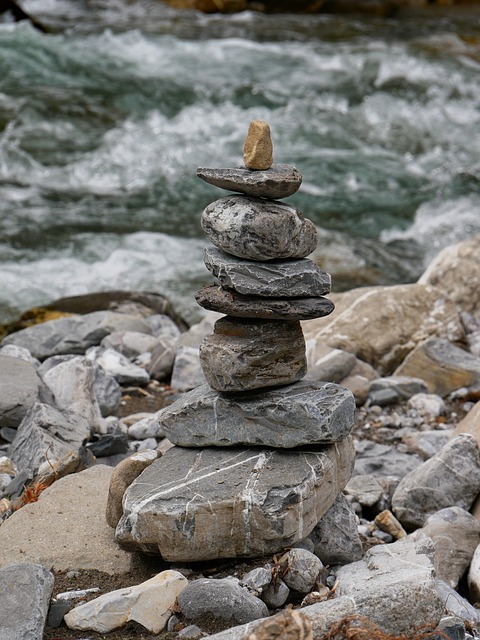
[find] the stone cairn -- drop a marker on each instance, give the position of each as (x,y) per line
(261,454)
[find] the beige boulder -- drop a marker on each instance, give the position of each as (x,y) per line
(384,324)
(66,528)
(470,424)
(455,271)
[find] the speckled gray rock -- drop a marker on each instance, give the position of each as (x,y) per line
(280,181)
(272,279)
(46,431)
(301,569)
(455,534)
(452,477)
(25,591)
(235,304)
(247,354)
(20,388)
(258,229)
(304,413)
(223,601)
(336,537)
(73,334)
(214,503)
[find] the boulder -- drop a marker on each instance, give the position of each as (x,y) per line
(258,229)
(149,603)
(25,591)
(304,413)
(74,334)
(455,534)
(46,433)
(37,532)
(443,366)
(336,537)
(456,272)
(450,478)
(220,602)
(275,183)
(214,503)
(272,279)
(245,354)
(384,324)
(72,383)
(20,388)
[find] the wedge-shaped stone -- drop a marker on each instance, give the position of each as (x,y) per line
(273,279)
(258,229)
(280,181)
(223,503)
(235,304)
(253,354)
(305,413)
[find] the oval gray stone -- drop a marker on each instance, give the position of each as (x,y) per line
(280,181)
(253,354)
(275,278)
(235,304)
(304,413)
(215,503)
(258,229)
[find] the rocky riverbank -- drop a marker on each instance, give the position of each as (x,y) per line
(81,416)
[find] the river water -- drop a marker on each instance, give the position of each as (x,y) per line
(104,120)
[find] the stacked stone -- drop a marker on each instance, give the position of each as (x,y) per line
(236,484)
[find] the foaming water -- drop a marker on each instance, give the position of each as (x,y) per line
(104,121)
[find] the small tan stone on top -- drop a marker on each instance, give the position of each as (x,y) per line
(258,149)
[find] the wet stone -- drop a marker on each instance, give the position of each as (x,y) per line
(280,181)
(275,278)
(253,354)
(258,229)
(215,503)
(304,413)
(235,304)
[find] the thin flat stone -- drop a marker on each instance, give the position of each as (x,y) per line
(235,304)
(258,229)
(280,181)
(206,504)
(304,413)
(272,279)
(252,354)
(258,148)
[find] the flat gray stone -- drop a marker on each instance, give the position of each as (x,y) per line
(253,354)
(272,279)
(187,372)
(73,334)
(258,229)
(25,591)
(365,490)
(235,304)
(380,460)
(450,478)
(20,388)
(221,601)
(305,413)
(47,432)
(215,503)
(280,181)
(336,536)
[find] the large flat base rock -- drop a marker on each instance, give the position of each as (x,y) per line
(214,503)
(301,414)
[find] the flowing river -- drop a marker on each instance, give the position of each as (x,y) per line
(104,119)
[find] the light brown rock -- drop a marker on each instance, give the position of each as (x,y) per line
(66,528)
(258,149)
(456,272)
(384,324)
(122,477)
(470,424)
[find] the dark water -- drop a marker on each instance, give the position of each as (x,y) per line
(104,120)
